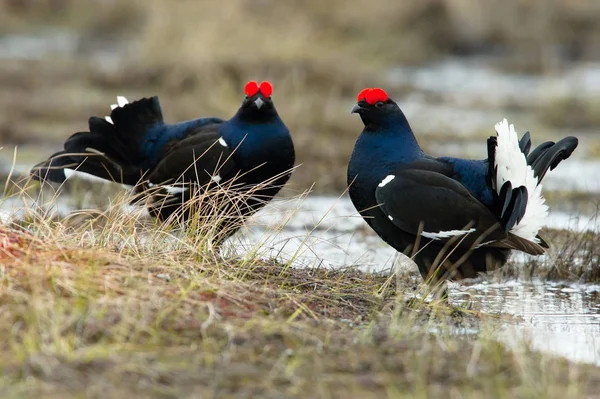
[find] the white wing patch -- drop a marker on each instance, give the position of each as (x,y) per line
(512,166)
(446,234)
(69,173)
(223,142)
(175,189)
(387,179)
(121,101)
(216,178)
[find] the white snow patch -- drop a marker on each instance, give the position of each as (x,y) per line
(5,216)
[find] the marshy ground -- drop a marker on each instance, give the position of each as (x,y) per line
(306,301)
(113,306)
(303,302)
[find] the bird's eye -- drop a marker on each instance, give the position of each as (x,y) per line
(379,104)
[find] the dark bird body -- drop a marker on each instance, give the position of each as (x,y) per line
(252,154)
(454,217)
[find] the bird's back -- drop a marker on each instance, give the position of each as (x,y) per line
(473,174)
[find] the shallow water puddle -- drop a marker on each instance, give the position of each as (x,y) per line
(327,231)
(554,318)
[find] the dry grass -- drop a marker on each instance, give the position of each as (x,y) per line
(81,319)
(573,256)
(110,304)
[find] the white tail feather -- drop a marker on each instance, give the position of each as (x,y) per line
(122,101)
(512,166)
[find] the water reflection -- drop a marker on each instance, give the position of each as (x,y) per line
(328,231)
(554,318)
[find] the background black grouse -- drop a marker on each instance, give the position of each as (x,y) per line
(251,155)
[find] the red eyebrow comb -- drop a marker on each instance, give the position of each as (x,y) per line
(251,88)
(266,88)
(376,95)
(362,95)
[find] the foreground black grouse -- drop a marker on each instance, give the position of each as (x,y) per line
(252,153)
(454,217)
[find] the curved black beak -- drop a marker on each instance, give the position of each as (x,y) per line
(356,109)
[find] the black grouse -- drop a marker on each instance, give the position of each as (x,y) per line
(454,217)
(252,154)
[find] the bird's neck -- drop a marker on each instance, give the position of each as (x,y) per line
(253,116)
(391,141)
(394,128)
(249,135)
(378,152)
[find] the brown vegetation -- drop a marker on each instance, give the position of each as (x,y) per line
(196,55)
(95,310)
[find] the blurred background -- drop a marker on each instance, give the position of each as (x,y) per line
(456,67)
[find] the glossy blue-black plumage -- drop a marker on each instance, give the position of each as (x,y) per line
(158,135)
(473,175)
(408,197)
(253,150)
(390,144)
(246,137)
